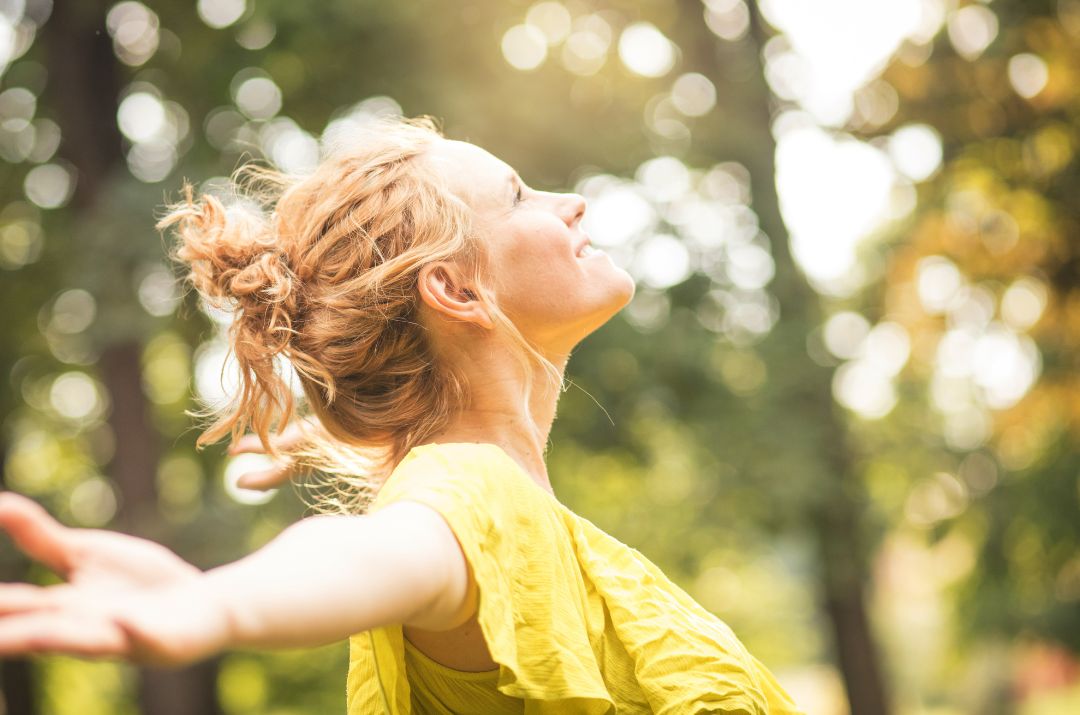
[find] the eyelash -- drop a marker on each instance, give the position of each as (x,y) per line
(517,197)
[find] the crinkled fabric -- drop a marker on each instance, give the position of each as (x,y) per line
(577,621)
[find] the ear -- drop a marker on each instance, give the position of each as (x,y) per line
(444,290)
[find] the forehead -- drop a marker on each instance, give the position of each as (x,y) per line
(474,174)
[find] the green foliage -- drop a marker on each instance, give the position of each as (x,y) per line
(719,454)
(1010,166)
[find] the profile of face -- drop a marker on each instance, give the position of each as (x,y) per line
(546,277)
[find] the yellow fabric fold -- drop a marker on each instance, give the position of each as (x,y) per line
(577,621)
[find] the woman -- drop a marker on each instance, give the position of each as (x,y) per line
(428,301)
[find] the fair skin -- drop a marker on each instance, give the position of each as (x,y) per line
(128,597)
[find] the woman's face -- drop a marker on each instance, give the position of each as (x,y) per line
(546,278)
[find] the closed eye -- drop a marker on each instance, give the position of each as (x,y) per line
(517,196)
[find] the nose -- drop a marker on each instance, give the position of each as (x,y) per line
(573,208)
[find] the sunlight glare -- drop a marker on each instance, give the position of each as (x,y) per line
(665,178)
(1005,365)
(662,261)
(618,215)
(864,389)
(971,30)
(550,17)
(844,334)
(693,94)
(1028,74)
(75,395)
(938,282)
(134,29)
(256,96)
(220,13)
(834,191)
(524,47)
(1023,303)
(728,19)
(645,50)
(141,116)
(822,62)
(50,186)
(916,151)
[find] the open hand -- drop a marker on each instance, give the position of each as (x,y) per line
(283,470)
(123,596)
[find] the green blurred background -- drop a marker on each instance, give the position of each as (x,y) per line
(843,409)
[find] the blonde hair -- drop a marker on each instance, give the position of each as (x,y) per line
(322,271)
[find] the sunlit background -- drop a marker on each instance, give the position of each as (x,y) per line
(842,410)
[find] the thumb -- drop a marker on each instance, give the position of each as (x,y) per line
(37,534)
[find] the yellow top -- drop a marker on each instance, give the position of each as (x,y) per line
(577,621)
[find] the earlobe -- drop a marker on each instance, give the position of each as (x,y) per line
(442,289)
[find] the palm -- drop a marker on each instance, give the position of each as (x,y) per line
(123,595)
(113,560)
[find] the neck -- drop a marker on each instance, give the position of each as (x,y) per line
(497,414)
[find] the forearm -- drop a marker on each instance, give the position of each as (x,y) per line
(321,580)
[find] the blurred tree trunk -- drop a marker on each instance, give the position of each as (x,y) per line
(737,71)
(17,683)
(84,84)
(834,516)
(17,686)
(135,461)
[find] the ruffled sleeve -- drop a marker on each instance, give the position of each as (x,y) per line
(686,660)
(534,604)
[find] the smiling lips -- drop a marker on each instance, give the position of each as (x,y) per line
(586,249)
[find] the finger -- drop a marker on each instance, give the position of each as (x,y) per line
(265,479)
(37,534)
(61,633)
(292,436)
(22,597)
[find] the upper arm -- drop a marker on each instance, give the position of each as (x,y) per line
(437,588)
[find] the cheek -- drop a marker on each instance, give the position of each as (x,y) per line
(538,277)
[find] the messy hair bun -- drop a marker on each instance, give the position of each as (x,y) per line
(322,271)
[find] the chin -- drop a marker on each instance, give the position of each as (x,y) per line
(617,295)
(619,298)
(621,292)
(629,290)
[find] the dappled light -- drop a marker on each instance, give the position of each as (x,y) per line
(221,13)
(586,48)
(255,94)
(841,409)
(728,19)
(645,51)
(1028,74)
(835,192)
(134,29)
(971,29)
(50,186)
(524,47)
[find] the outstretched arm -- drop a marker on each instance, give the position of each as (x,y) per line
(328,577)
(321,580)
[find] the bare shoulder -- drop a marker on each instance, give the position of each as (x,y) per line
(435,560)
